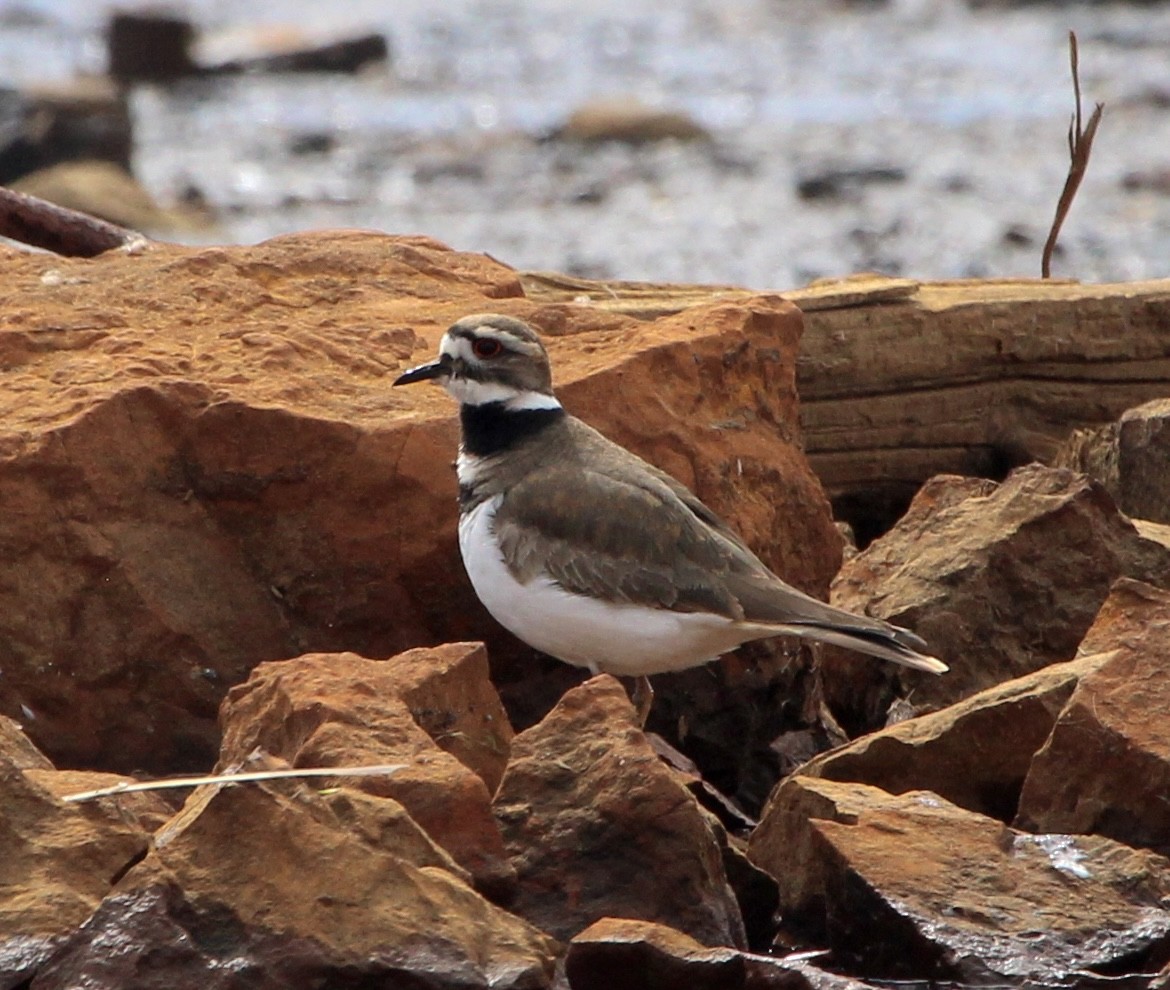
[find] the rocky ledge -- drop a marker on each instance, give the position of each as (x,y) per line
(227,543)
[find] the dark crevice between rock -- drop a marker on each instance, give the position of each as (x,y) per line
(756,893)
(126,867)
(873,510)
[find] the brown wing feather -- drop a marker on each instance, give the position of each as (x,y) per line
(691,501)
(578,527)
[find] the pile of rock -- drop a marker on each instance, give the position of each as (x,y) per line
(1020,834)
(219,519)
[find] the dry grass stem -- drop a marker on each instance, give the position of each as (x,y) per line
(127,787)
(1080,145)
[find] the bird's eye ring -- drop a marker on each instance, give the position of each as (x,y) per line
(486,347)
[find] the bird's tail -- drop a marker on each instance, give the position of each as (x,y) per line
(893,643)
(770,604)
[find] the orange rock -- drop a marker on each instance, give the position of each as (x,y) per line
(450,696)
(625,954)
(263,880)
(326,710)
(202,467)
(1105,768)
(385,824)
(196,463)
(597,825)
(147,809)
(913,886)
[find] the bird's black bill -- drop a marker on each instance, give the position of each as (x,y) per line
(423,373)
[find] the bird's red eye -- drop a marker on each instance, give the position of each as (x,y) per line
(486,347)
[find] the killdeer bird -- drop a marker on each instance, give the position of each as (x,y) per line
(588,553)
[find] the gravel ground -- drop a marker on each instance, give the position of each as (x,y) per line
(957,117)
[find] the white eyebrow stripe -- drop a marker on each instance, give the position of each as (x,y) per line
(487,330)
(506,337)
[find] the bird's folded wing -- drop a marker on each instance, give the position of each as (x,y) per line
(630,539)
(691,501)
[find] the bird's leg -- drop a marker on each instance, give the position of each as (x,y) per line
(642,698)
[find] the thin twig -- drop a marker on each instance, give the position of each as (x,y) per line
(42,224)
(1080,145)
(128,787)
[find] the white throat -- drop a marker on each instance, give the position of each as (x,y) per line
(472,393)
(531,400)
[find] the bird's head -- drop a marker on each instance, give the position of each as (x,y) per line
(488,358)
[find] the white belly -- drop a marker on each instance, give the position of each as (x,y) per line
(605,637)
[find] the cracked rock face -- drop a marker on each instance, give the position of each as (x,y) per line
(975,753)
(597,825)
(261,880)
(58,859)
(1129,456)
(325,710)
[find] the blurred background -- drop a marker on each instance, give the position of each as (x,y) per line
(755,142)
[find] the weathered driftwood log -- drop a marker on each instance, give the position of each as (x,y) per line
(900,380)
(32,220)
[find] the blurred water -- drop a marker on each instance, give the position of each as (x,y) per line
(972,105)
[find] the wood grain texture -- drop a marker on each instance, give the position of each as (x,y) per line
(962,376)
(901,380)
